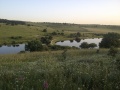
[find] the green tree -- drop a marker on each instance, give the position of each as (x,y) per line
(110,39)
(84,45)
(77,39)
(78,34)
(45,30)
(34,45)
(46,40)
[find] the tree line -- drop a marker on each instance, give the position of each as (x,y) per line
(12,22)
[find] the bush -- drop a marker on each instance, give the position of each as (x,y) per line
(113,51)
(92,45)
(34,45)
(77,39)
(44,30)
(46,40)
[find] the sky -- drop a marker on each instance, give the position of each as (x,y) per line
(62,11)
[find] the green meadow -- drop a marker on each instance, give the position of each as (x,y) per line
(34,31)
(77,70)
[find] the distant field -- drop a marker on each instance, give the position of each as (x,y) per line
(34,31)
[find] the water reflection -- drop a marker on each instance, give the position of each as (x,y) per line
(72,43)
(12,49)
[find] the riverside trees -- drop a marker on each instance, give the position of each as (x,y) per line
(110,39)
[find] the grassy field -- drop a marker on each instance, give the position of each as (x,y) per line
(34,31)
(51,70)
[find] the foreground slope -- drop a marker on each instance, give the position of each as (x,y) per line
(60,70)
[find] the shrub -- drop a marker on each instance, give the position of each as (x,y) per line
(92,45)
(34,45)
(113,51)
(46,40)
(44,30)
(77,39)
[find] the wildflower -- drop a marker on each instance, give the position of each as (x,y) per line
(45,85)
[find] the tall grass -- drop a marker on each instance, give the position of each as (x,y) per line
(80,70)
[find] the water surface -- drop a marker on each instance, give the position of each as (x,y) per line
(77,44)
(12,49)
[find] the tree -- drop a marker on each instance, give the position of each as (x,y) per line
(110,39)
(92,45)
(34,45)
(45,30)
(84,45)
(46,40)
(77,39)
(78,34)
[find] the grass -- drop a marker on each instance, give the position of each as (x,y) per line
(80,70)
(26,32)
(34,31)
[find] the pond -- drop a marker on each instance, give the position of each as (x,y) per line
(77,44)
(12,49)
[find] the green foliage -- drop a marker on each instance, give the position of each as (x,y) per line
(118,63)
(84,45)
(64,56)
(78,34)
(58,47)
(72,35)
(12,22)
(16,37)
(110,39)
(45,30)
(92,45)
(112,51)
(77,39)
(46,40)
(34,45)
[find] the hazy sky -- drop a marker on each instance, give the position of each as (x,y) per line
(69,11)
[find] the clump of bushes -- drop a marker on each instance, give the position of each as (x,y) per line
(86,45)
(58,47)
(73,35)
(46,40)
